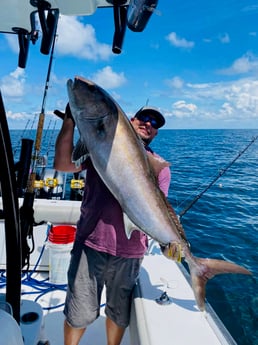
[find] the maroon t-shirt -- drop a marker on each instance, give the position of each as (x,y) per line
(101,224)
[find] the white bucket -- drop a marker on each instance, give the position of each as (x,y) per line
(59,259)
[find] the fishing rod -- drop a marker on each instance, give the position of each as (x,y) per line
(221,172)
(26,211)
(30,187)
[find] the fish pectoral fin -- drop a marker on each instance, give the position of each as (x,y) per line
(129,226)
(157,163)
(80,153)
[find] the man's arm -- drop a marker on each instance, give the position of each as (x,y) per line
(164,179)
(64,148)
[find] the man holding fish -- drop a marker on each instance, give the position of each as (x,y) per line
(103,254)
(120,162)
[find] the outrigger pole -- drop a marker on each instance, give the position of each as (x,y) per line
(26,211)
(221,172)
(11,216)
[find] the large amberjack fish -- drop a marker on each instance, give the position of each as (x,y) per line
(118,155)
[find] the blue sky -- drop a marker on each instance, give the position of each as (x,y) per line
(195,61)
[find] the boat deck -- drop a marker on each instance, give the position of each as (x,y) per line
(151,323)
(47,302)
(178,318)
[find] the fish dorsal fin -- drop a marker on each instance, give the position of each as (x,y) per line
(80,153)
(129,226)
(157,163)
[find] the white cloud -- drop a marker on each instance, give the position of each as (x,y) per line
(13,85)
(12,41)
(227,108)
(177,41)
(58,80)
(224,38)
(207,40)
(108,79)
(175,82)
(245,64)
(79,40)
(199,86)
(230,101)
(155,46)
(16,116)
(183,109)
(250,8)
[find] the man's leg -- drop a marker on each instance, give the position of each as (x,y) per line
(83,293)
(114,332)
(121,276)
(72,335)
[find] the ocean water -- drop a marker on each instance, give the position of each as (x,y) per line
(223,223)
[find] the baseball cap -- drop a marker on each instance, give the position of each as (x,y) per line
(153,112)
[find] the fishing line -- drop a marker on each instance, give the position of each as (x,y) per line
(51,138)
(192,195)
(33,121)
(46,132)
(21,137)
(221,172)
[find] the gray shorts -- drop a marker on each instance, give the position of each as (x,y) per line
(88,272)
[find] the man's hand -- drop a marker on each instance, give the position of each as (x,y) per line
(172,251)
(67,114)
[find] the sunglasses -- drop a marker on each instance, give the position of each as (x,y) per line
(146,118)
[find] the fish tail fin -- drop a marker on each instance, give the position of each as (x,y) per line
(202,270)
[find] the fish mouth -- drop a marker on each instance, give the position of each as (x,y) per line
(79,80)
(72,83)
(84,80)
